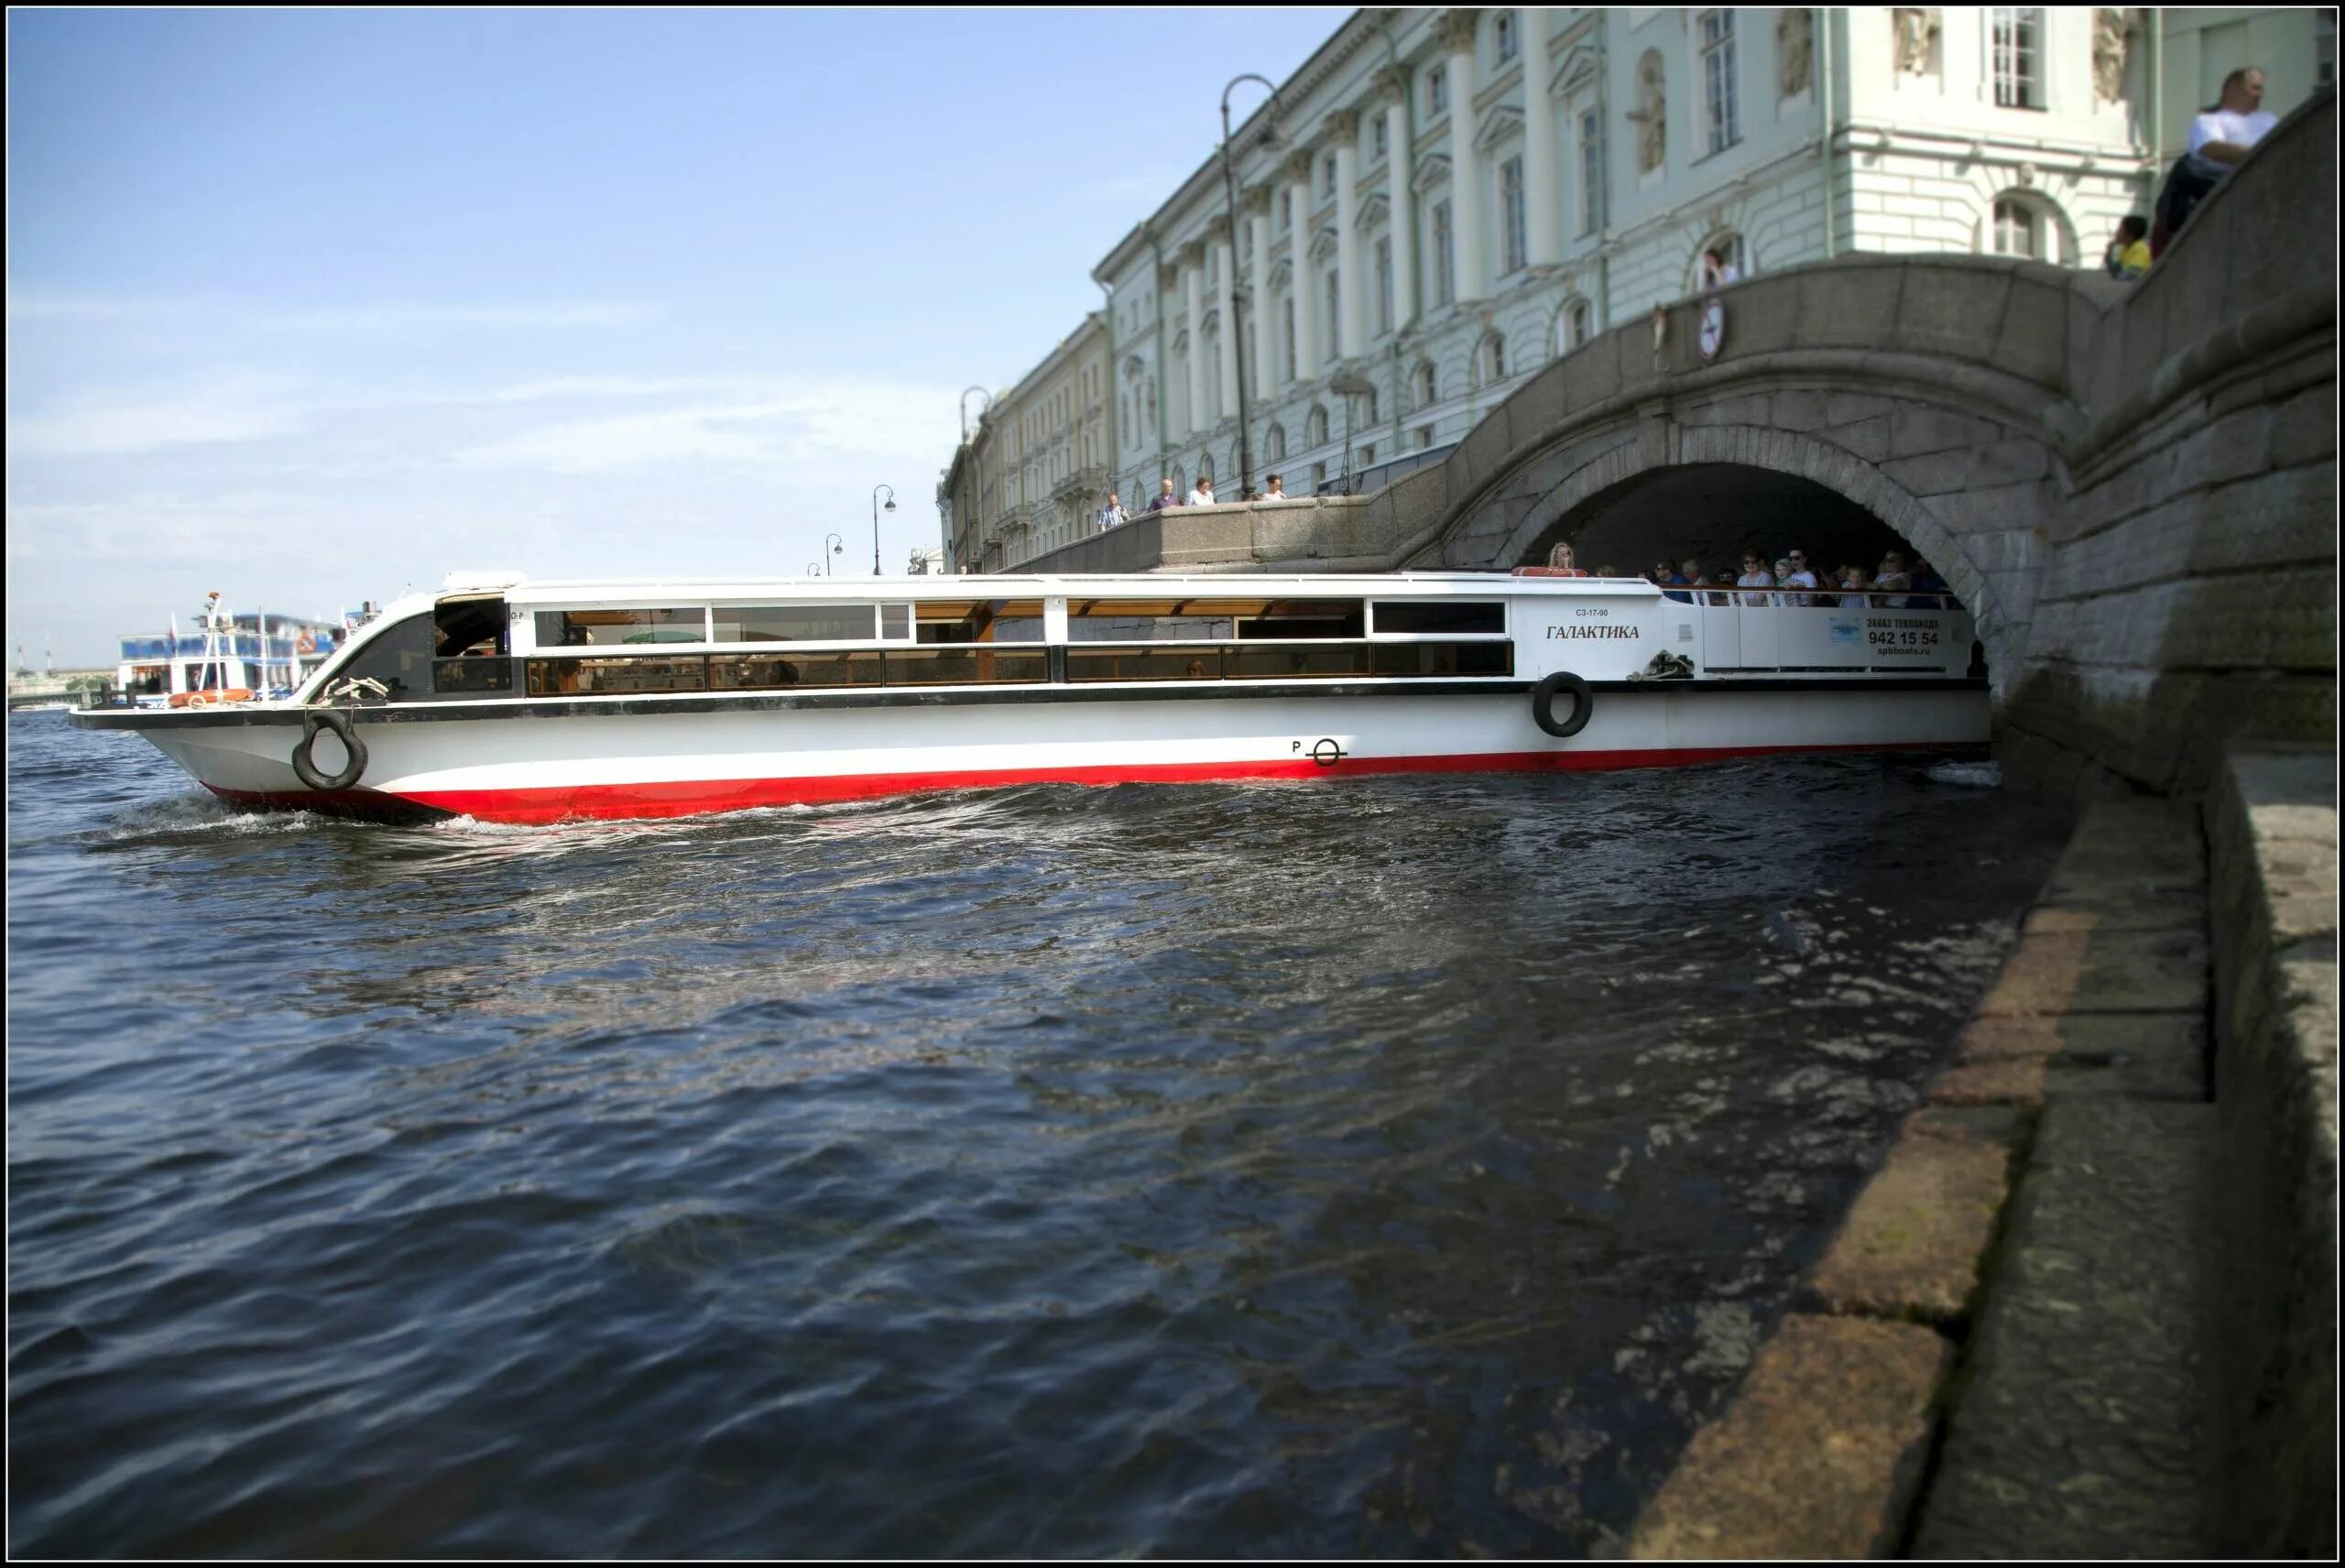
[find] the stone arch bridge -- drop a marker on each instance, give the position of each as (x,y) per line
(2132,487)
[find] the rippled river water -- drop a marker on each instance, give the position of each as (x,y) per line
(1379,1167)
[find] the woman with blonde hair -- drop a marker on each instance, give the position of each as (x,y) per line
(1560,559)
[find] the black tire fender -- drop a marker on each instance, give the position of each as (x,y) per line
(1543,704)
(345,731)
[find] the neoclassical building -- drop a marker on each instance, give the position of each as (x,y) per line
(1035,468)
(1442,200)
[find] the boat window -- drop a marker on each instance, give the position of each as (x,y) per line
(611,628)
(471,677)
(1156,620)
(398,657)
(616,677)
(1440,617)
(1199,620)
(1285,618)
(762,672)
(1444,658)
(793,623)
(1143,663)
(1300,661)
(469,628)
(980,620)
(896,623)
(953,666)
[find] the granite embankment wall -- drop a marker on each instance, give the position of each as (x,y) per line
(2272,837)
(2188,588)
(2088,1305)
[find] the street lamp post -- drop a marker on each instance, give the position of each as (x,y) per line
(837,547)
(965,407)
(815,571)
(874,522)
(1236,290)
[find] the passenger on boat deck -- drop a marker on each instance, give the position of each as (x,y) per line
(1927,581)
(1196,670)
(1799,576)
(1608,571)
(1561,558)
(1853,577)
(1893,575)
(1754,575)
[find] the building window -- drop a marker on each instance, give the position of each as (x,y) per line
(1366,454)
(1318,477)
(1314,426)
(1493,359)
(1510,211)
(1424,437)
(1502,34)
(1576,324)
(1286,309)
(1436,91)
(1383,135)
(2019,56)
(1720,263)
(1444,267)
(1335,315)
(1274,443)
(1327,175)
(1384,283)
(1717,79)
(1286,211)
(2018,231)
(1591,172)
(1425,387)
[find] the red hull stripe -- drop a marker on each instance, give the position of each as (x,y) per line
(688,798)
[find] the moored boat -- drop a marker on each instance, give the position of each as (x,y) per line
(522,701)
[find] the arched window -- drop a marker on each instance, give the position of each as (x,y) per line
(1579,321)
(1205,466)
(1314,426)
(1489,359)
(1368,415)
(2019,229)
(1274,442)
(1425,386)
(1721,259)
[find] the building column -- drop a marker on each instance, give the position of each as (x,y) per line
(1306,276)
(1350,341)
(1257,208)
(1542,190)
(1404,200)
(1193,263)
(1465,171)
(1225,262)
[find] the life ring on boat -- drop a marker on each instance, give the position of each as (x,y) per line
(1543,704)
(306,771)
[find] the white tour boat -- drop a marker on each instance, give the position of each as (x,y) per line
(524,701)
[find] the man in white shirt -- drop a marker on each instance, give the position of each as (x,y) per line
(1203,495)
(2226,133)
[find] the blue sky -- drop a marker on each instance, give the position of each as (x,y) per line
(315,306)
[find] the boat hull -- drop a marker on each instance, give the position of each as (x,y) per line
(632,759)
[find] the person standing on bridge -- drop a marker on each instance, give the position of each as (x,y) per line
(1111,516)
(1164,497)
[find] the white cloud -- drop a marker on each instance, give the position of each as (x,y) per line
(232,409)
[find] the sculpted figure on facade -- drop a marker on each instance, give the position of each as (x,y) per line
(1916,29)
(2108,53)
(1651,116)
(1795,43)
